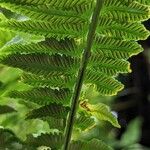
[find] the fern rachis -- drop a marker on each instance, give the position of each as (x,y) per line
(86,43)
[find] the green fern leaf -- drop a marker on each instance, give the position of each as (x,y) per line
(125,12)
(58,30)
(78,4)
(43,96)
(60,81)
(55,123)
(49,46)
(93,144)
(115,48)
(105,85)
(53,64)
(108,66)
(54,141)
(6,109)
(101,112)
(127,2)
(7,139)
(42,64)
(84,122)
(48,13)
(124,31)
(52,110)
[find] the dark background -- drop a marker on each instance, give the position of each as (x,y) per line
(134,101)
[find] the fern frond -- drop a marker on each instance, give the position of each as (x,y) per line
(54,141)
(127,2)
(104,46)
(105,85)
(41,63)
(84,122)
(122,30)
(78,4)
(51,110)
(125,12)
(108,66)
(43,96)
(55,123)
(49,46)
(101,112)
(60,81)
(48,13)
(115,48)
(92,144)
(6,109)
(53,64)
(7,139)
(59,30)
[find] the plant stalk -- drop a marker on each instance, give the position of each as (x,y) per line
(81,73)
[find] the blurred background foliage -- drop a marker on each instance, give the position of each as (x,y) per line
(132,105)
